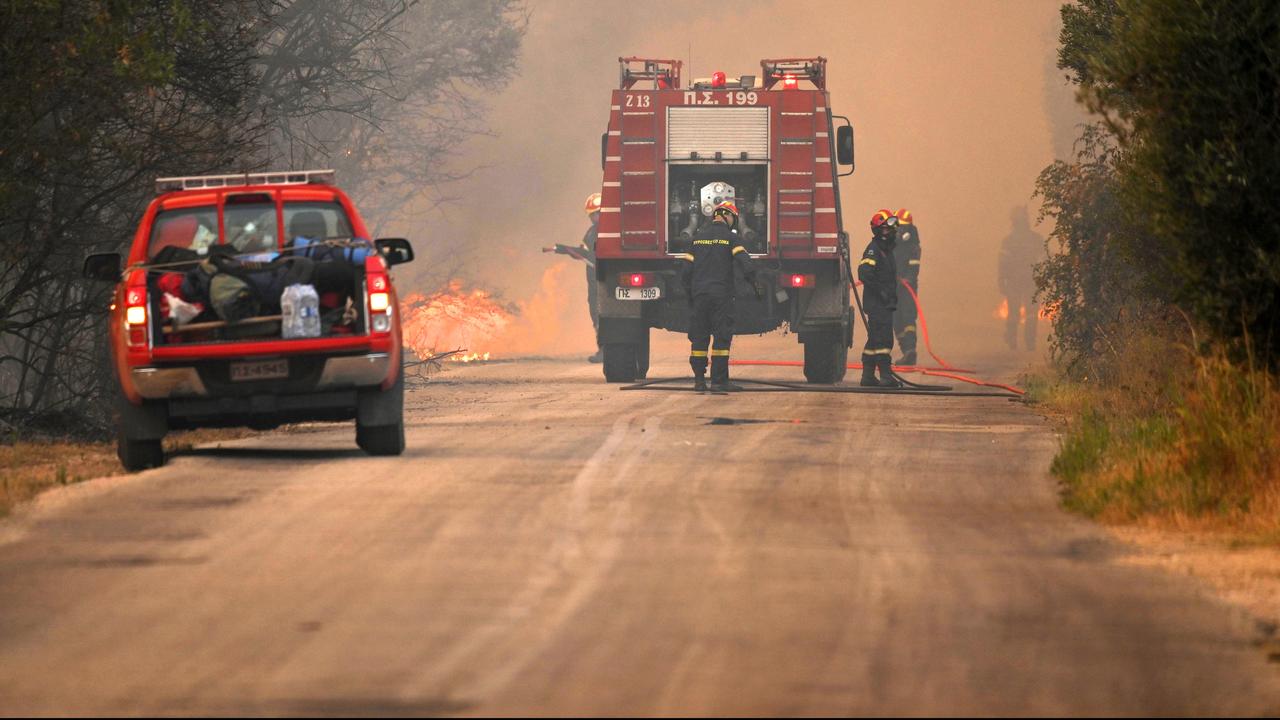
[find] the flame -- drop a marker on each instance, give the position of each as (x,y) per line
(1048,312)
(452,319)
(476,321)
(1002,312)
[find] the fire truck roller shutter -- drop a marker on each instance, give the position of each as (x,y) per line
(706,131)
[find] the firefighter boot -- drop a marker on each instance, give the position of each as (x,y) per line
(869,371)
(908,359)
(887,379)
(699,383)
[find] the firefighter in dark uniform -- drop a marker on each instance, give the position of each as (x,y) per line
(879,279)
(906,257)
(586,252)
(708,274)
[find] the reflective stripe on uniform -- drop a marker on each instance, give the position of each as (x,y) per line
(913,262)
(685,256)
(739,249)
(867,261)
(697,353)
(908,329)
(719,353)
(878,351)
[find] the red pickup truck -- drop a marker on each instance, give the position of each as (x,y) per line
(196,319)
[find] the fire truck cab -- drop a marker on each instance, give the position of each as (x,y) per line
(671,153)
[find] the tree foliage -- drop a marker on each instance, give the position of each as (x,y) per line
(1170,203)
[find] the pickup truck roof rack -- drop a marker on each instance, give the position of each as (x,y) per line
(205,182)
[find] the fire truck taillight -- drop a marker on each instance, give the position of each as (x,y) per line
(635,279)
(800,281)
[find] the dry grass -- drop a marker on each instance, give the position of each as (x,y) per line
(1173,441)
(30,467)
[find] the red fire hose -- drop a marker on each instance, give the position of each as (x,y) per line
(944,369)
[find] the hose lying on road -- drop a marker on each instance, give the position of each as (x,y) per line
(775,386)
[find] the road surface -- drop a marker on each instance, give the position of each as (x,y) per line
(551,545)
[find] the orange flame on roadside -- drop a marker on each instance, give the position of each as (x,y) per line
(478,322)
(1002,312)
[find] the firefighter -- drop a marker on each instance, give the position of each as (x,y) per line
(879,299)
(1019,252)
(708,274)
(906,258)
(587,253)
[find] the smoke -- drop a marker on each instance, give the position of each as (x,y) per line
(956,109)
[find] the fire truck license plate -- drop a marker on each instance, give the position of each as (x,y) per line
(649,293)
(261,370)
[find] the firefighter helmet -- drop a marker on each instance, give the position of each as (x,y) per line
(593,203)
(727,209)
(904,217)
(883,222)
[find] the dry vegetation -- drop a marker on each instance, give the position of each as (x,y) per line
(1176,440)
(29,467)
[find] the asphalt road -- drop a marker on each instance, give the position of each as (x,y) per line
(551,545)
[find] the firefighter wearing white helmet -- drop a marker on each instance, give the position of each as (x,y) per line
(708,274)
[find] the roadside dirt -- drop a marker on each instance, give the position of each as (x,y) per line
(1245,576)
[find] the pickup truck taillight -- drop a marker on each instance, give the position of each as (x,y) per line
(379,300)
(135,309)
(799,281)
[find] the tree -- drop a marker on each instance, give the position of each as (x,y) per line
(1191,91)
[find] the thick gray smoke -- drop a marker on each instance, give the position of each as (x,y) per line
(956,108)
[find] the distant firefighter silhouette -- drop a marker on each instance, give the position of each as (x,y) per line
(1019,253)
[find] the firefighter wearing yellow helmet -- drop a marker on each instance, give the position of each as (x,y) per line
(586,252)
(906,256)
(879,280)
(708,274)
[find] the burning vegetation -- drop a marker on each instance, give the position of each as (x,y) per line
(485,327)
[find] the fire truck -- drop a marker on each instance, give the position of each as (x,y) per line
(771,144)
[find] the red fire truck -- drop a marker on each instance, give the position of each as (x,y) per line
(218,372)
(671,153)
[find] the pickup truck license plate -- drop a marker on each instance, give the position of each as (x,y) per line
(260,370)
(632,293)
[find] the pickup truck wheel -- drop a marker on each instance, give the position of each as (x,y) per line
(138,455)
(826,358)
(380,420)
(620,363)
(381,440)
(140,429)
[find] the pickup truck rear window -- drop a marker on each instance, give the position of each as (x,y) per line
(315,221)
(188,228)
(251,227)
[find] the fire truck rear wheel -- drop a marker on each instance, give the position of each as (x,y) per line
(642,358)
(826,358)
(620,362)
